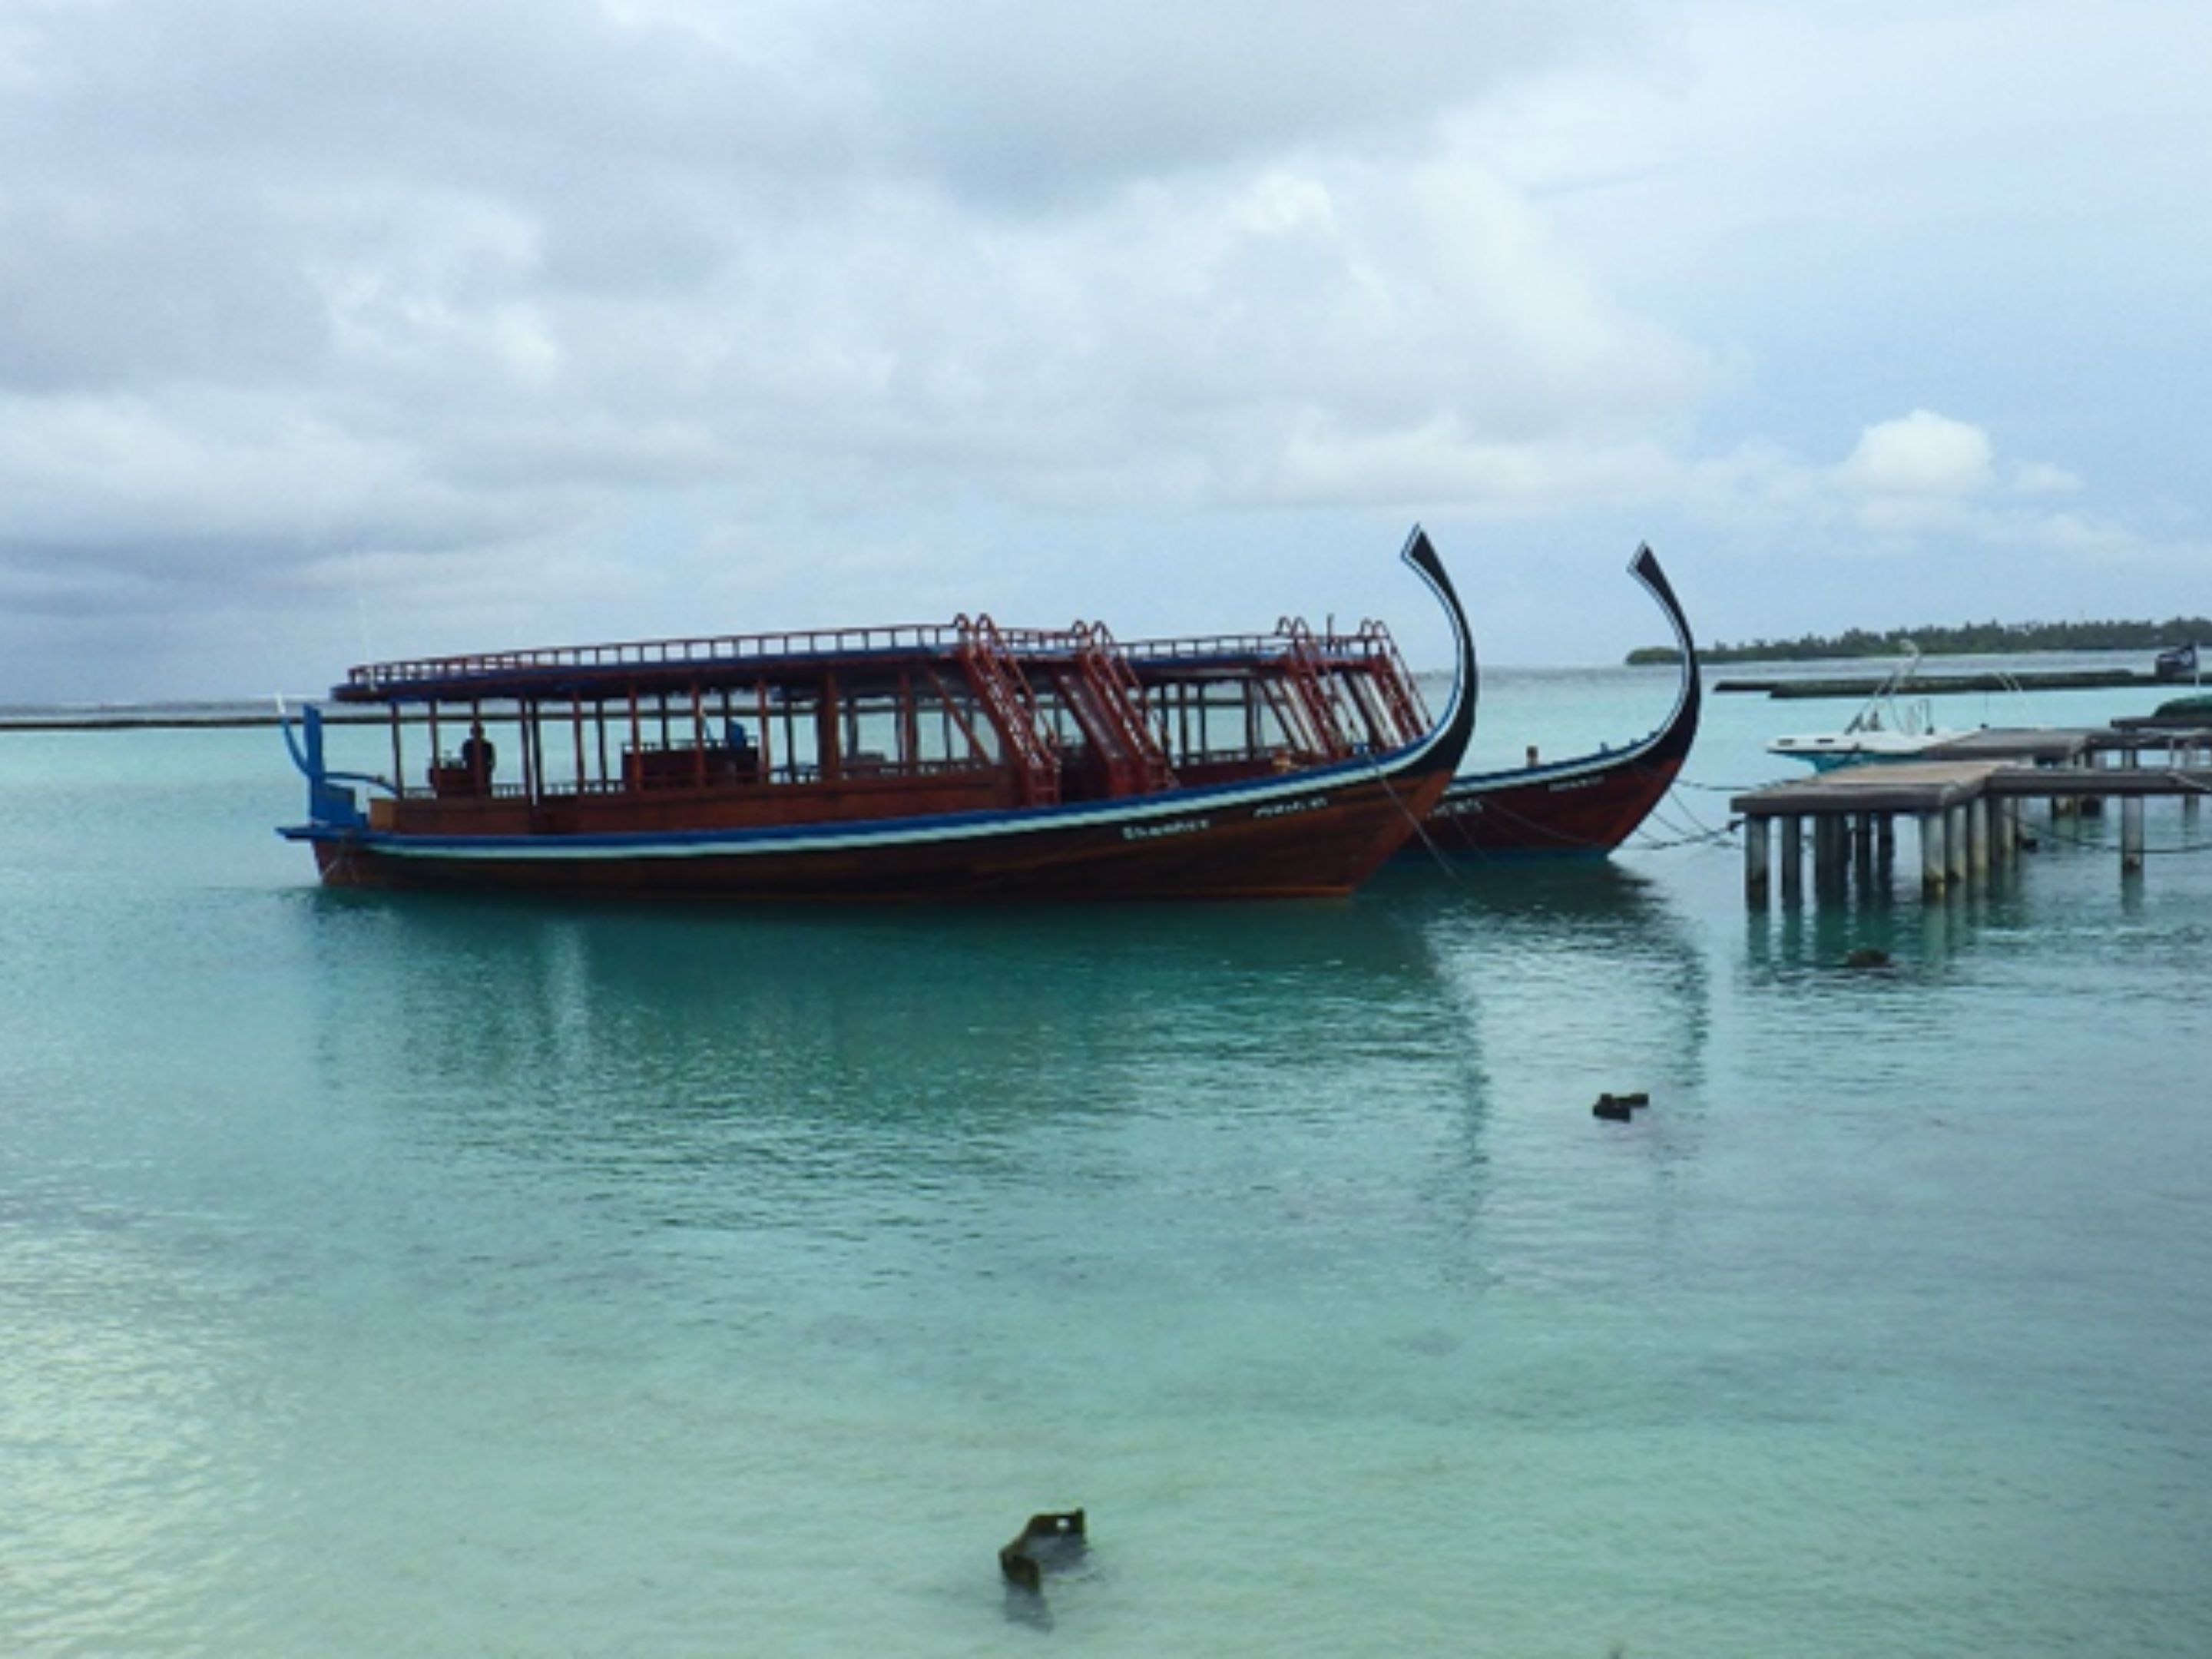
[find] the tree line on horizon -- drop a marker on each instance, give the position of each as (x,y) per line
(1968,639)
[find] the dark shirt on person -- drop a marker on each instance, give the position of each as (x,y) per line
(479,758)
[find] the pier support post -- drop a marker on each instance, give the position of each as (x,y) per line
(1932,862)
(1793,858)
(1754,861)
(2131,833)
(1955,843)
(1863,849)
(1829,871)
(1977,838)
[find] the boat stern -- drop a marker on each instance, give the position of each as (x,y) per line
(333,807)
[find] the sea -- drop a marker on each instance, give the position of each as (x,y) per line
(388,1275)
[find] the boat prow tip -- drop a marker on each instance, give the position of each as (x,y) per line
(1420,552)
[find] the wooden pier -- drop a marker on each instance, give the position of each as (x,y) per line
(1968,798)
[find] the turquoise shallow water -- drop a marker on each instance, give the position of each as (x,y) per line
(390,1276)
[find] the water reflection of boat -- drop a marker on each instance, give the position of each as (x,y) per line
(1593,909)
(1588,805)
(595,1022)
(963,761)
(1580,968)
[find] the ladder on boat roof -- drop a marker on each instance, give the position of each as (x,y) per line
(1387,670)
(1338,681)
(1307,674)
(1005,695)
(1136,764)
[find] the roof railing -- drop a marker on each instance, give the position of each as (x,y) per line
(489,668)
(681,653)
(1290,629)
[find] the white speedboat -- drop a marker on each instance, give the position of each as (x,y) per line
(1891,727)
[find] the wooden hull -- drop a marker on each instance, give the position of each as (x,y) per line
(1588,805)
(1319,840)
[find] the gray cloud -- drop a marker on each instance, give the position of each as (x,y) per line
(1022,104)
(523,315)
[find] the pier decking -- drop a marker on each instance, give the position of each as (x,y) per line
(1967,797)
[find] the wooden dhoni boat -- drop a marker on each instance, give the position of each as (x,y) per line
(963,761)
(1588,805)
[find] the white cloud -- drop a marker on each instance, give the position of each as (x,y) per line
(1923,456)
(1916,480)
(92,471)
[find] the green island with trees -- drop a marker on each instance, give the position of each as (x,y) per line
(1969,639)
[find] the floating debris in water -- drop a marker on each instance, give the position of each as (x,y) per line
(1619,1108)
(1053,1539)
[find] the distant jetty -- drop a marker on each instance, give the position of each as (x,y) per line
(160,717)
(1861,686)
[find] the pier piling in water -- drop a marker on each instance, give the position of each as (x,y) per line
(1934,867)
(1754,861)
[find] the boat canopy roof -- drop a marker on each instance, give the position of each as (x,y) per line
(602,673)
(595,671)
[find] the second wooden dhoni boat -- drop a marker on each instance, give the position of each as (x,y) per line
(1590,804)
(961,760)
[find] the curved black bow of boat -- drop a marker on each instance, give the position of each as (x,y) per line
(1673,739)
(1456,729)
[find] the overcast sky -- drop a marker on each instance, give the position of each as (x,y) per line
(331,331)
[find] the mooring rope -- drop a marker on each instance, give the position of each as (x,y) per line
(1419,829)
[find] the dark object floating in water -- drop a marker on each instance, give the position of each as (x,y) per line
(1619,1108)
(1867,957)
(1053,1539)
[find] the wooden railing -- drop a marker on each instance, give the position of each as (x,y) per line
(706,651)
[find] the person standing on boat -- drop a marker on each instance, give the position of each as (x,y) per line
(479,757)
(744,758)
